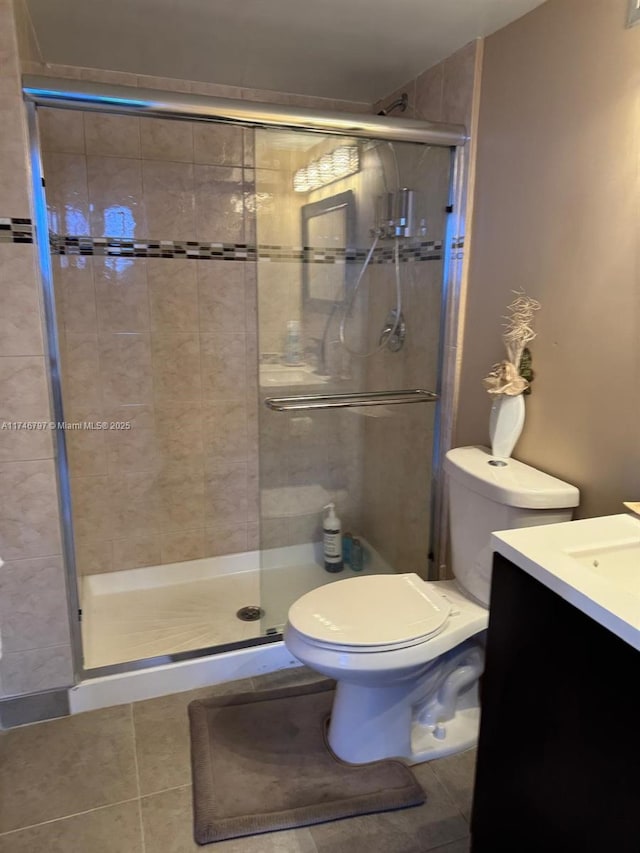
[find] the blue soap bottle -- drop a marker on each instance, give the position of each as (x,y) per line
(357,555)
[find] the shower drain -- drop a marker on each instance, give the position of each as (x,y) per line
(250,613)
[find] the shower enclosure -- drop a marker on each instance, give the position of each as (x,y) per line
(244,325)
(340,246)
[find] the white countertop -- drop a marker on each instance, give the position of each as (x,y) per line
(594,564)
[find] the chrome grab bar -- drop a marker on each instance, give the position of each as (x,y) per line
(346,401)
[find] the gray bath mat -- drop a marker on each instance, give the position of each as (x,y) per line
(260,763)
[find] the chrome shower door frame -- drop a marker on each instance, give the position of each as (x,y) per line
(127,100)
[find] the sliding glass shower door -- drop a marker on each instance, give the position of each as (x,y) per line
(349,247)
(154,289)
(207,279)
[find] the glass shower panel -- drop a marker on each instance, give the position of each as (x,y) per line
(155,307)
(350,280)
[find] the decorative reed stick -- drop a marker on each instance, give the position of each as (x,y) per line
(505,377)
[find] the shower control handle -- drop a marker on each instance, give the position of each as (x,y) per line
(393,332)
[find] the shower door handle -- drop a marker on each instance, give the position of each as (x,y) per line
(346,401)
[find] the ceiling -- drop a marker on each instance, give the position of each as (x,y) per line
(359,50)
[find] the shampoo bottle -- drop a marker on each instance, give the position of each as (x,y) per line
(347,539)
(332,540)
(293,346)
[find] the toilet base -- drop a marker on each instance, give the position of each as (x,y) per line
(393,735)
(456,735)
(415,721)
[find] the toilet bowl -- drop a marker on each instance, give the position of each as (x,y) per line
(406,653)
(393,694)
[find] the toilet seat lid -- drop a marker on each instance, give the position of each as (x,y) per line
(376,610)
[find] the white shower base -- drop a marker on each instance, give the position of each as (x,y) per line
(162,610)
(164,678)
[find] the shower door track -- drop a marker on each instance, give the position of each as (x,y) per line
(42,91)
(113,98)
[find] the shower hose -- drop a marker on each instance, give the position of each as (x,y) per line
(349,306)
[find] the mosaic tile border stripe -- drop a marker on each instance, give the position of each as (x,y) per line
(20,230)
(117,247)
(120,247)
(16,230)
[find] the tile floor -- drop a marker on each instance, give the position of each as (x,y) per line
(117,780)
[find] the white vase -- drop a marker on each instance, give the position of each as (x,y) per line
(505,424)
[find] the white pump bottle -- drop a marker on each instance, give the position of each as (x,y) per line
(332,540)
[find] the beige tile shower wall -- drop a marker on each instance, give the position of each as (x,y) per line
(398,441)
(277,223)
(398,474)
(34,625)
(305,458)
(347,429)
(165,344)
(366,184)
(557,211)
(389,449)
(331,459)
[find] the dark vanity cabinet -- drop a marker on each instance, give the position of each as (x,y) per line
(559,750)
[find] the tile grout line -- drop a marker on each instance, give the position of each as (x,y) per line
(311,838)
(461,814)
(445,847)
(137,769)
(451,794)
(166,790)
(68,816)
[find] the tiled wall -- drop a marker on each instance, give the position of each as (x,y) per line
(375,462)
(398,447)
(34,626)
(173,181)
(398,495)
(90,162)
(277,224)
(163,343)
(305,458)
(169,344)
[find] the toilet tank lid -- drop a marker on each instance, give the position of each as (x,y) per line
(512,484)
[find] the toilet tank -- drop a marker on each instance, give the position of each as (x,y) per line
(488,494)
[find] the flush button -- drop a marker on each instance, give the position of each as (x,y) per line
(498,463)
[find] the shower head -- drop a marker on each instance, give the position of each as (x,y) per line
(400,103)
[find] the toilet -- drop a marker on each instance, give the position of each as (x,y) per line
(407,653)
